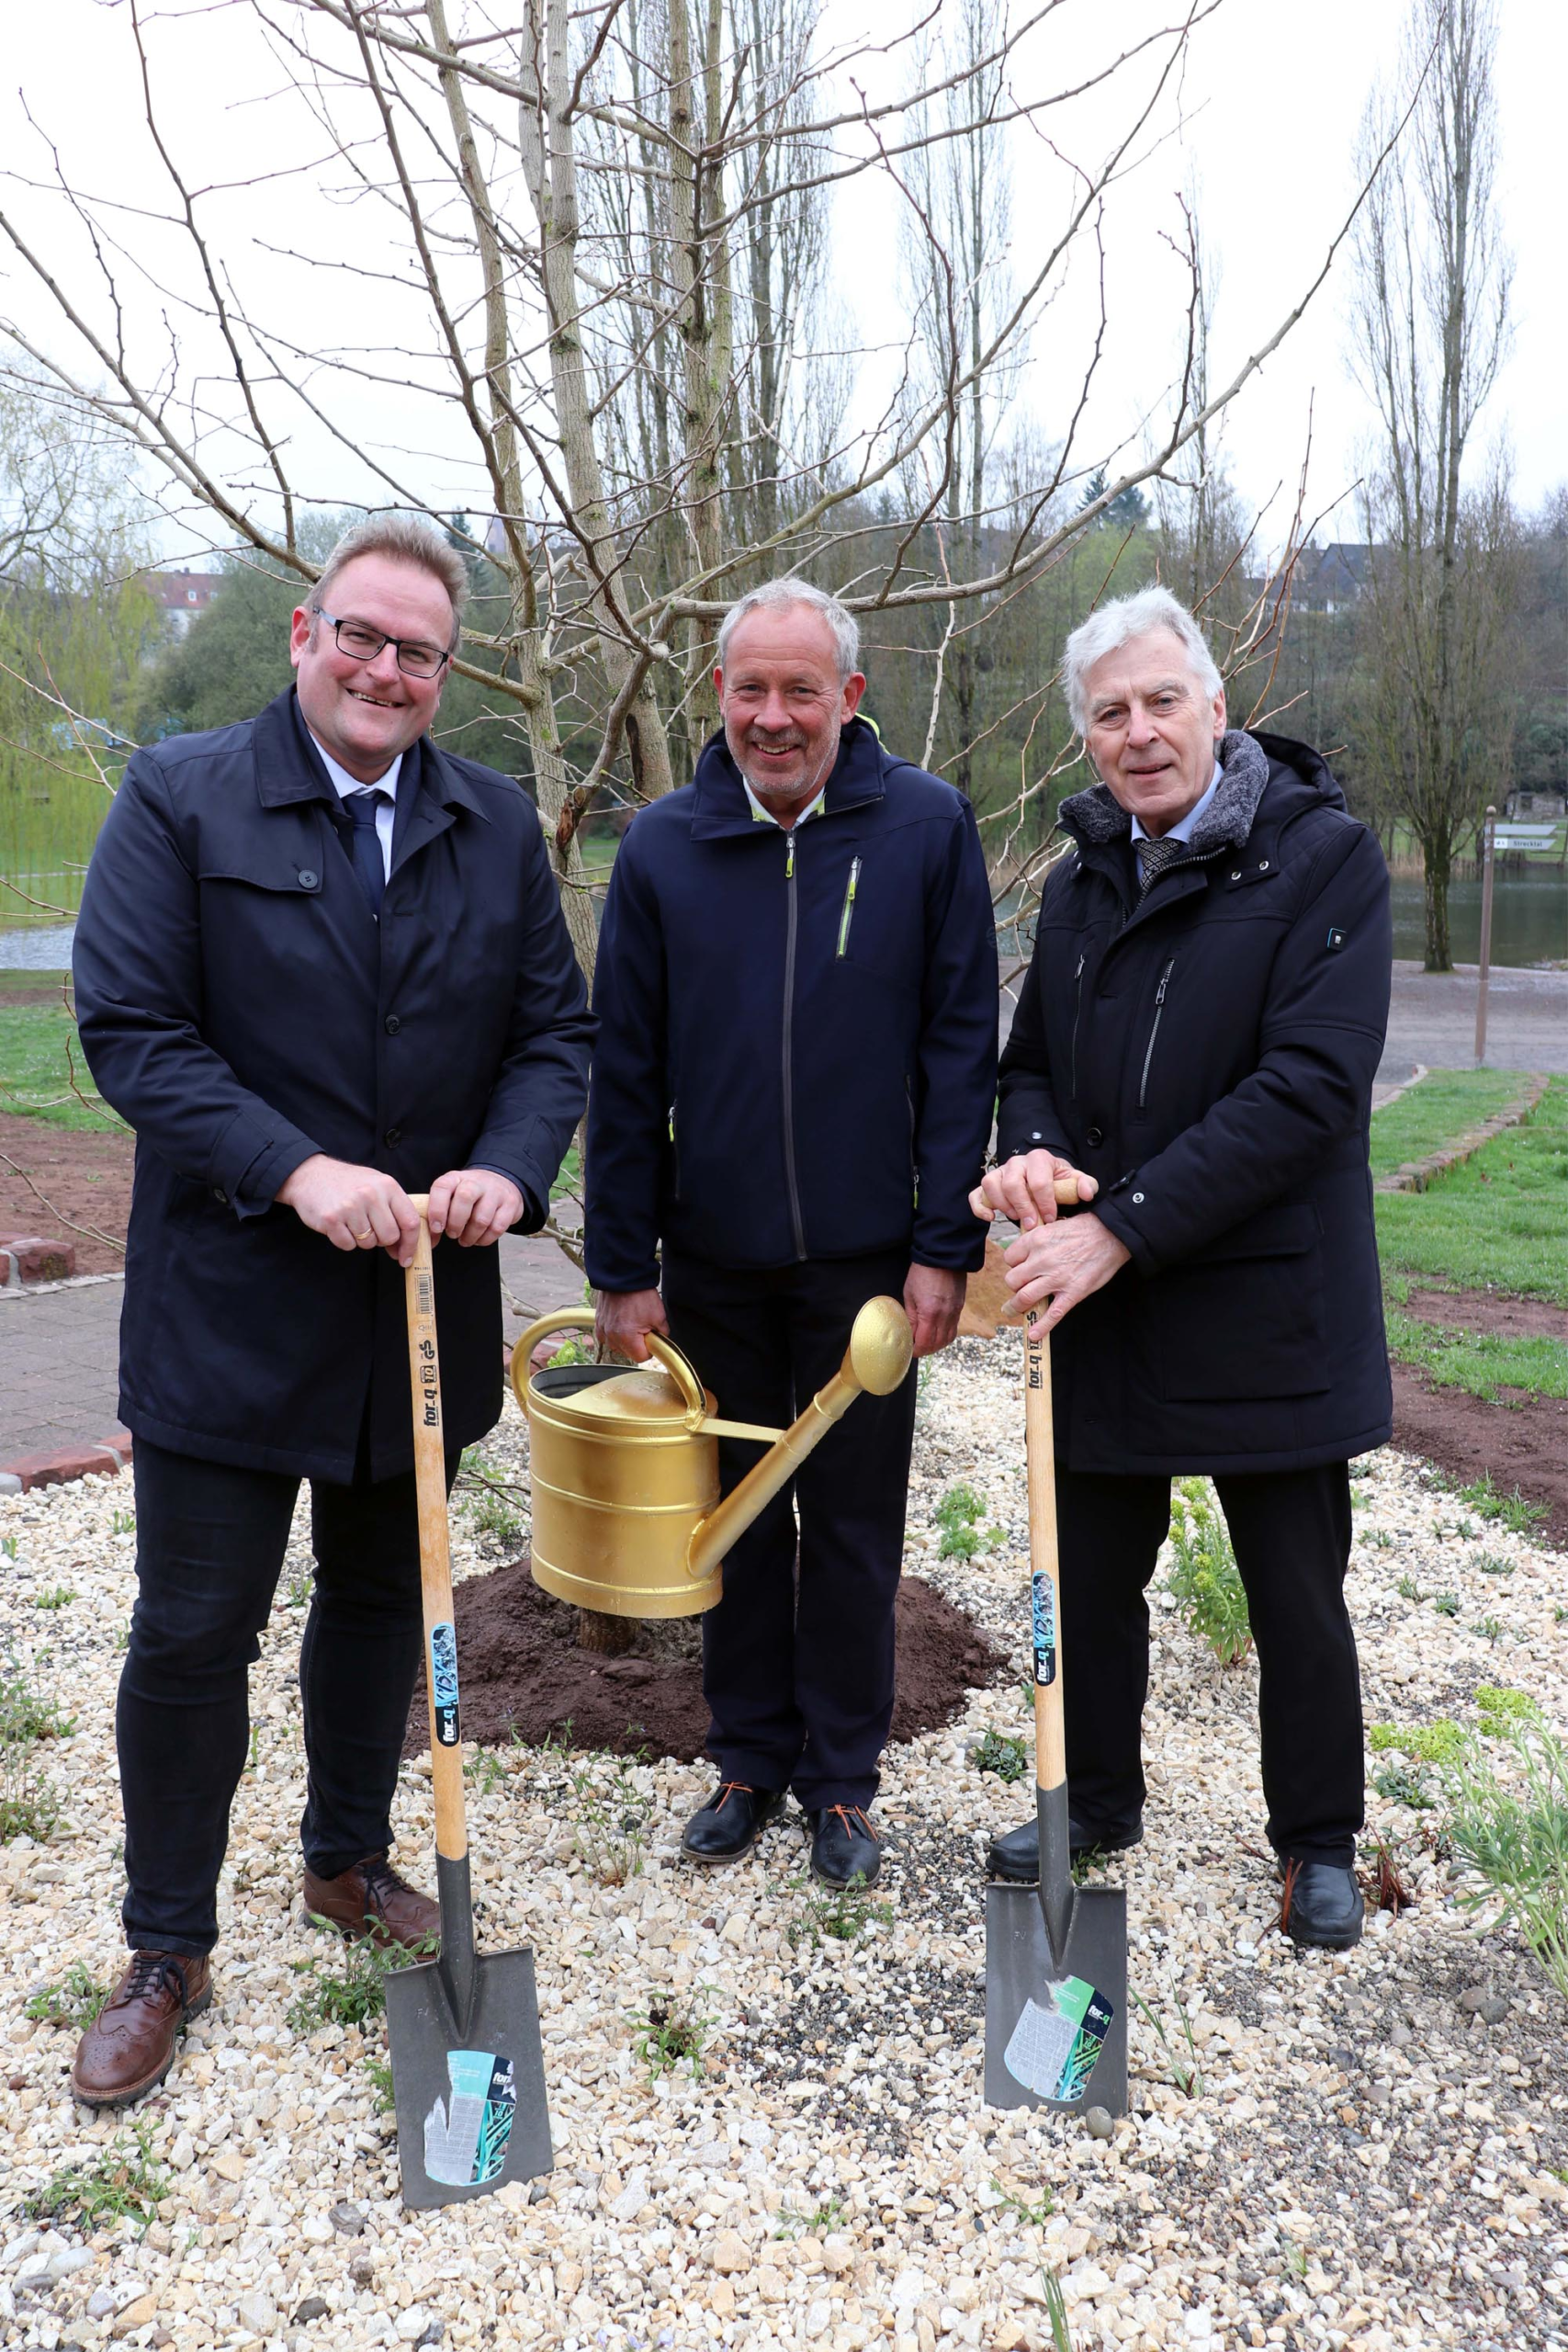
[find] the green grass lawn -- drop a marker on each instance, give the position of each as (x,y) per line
(1442,1106)
(1498,1221)
(39,1056)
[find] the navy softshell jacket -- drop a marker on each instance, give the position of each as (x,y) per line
(241,1008)
(796,1056)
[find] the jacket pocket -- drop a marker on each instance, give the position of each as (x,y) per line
(1242,1319)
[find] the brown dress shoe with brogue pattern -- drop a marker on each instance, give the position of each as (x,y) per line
(372,1900)
(129,2046)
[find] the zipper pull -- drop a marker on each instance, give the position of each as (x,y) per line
(1159,992)
(1083,959)
(789,856)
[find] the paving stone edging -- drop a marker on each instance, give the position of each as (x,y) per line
(106,1460)
(1416,1174)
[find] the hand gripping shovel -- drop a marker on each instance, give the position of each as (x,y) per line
(1055,1955)
(468,2069)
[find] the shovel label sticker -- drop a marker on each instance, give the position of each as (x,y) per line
(444,1682)
(1053,2052)
(1042,1617)
(465,2137)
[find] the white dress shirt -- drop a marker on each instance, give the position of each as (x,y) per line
(386,789)
(760,815)
(1183,830)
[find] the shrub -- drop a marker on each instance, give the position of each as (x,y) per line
(1204,1577)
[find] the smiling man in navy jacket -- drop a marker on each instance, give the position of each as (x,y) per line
(792,1094)
(321,965)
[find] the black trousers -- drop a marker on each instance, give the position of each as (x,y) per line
(799,1674)
(210,1544)
(1291,1532)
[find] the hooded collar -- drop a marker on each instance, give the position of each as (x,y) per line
(721,808)
(1097,816)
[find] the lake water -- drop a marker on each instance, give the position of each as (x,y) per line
(1530,925)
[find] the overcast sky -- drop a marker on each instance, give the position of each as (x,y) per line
(1272,101)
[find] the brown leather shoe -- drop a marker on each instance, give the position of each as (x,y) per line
(372,1900)
(129,2046)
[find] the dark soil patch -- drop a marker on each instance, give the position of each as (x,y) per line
(523,1673)
(1489,1310)
(85,1182)
(1523,1443)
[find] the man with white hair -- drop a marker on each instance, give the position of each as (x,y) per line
(1196,1042)
(791,1094)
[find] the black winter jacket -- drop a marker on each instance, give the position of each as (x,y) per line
(241,1009)
(796,1055)
(1207,1053)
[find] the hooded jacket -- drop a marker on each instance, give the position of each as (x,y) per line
(796,1052)
(1207,1051)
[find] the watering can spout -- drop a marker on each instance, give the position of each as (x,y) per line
(875,1361)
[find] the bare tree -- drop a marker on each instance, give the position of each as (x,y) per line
(1430,332)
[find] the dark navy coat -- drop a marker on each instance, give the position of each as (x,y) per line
(1207,1053)
(241,1009)
(796,1052)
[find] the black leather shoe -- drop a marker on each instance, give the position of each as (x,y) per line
(844,1845)
(1321,1907)
(731,1823)
(1015,1855)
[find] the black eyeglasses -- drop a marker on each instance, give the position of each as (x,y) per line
(362,644)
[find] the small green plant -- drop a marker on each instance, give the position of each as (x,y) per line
(300,1586)
(123,1522)
(1514,1835)
(1408,1590)
(958,1515)
(1203,1577)
(1398,1785)
(1432,1743)
(489,1515)
(673,2036)
(1445,1603)
(610,1823)
(357,1991)
(380,2073)
(1466,1530)
(1490,1629)
(8,1546)
(59,1595)
(1033,2217)
(75,2001)
(26,1714)
(842,1913)
(1378,1538)
(1359,1497)
(1057,2311)
(1492,1564)
(1560,1612)
(810,2225)
(1181,2064)
(122,1637)
(30,1804)
(1296,2261)
(1517,1515)
(120,2182)
(485,1773)
(1001,1753)
(1500,1709)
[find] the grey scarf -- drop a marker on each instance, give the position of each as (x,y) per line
(1095,816)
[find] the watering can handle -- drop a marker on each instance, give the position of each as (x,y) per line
(580,1319)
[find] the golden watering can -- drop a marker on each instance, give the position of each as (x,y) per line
(623,1463)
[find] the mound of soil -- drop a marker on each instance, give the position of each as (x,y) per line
(523,1673)
(1489,1310)
(1522,1444)
(79,1181)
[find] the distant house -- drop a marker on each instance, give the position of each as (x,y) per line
(182,595)
(1543,803)
(1328,579)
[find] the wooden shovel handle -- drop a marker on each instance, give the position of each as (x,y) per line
(434,1544)
(1049,1737)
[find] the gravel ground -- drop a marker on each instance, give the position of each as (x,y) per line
(1377,2153)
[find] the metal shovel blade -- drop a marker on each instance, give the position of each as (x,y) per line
(1056,2031)
(468,2067)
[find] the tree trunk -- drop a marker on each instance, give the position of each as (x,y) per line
(605,1636)
(1436,888)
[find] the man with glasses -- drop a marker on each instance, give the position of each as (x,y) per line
(321,965)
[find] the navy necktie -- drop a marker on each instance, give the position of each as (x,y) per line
(365,846)
(1154,856)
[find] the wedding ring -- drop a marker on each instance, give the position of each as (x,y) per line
(366,1235)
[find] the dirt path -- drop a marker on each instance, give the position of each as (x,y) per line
(1522,1444)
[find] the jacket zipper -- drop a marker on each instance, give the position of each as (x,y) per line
(1078,1009)
(847,915)
(914,1166)
(675,1151)
(1153,1033)
(792,1183)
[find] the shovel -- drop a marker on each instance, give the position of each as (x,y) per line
(468,2068)
(1056,1954)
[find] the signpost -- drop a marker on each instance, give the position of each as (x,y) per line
(1488,868)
